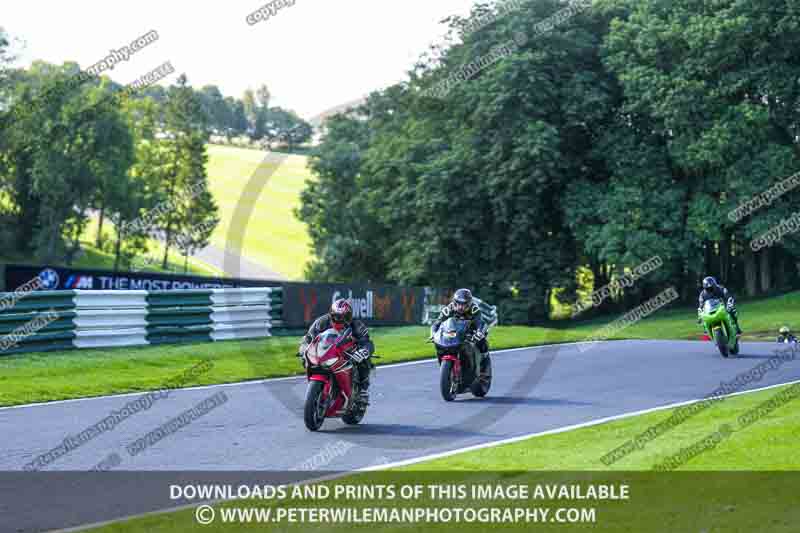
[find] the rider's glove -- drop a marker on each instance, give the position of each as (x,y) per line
(479,335)
(731,305)
(360,355)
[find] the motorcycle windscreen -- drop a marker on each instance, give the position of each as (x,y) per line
(711,306)
(327,340)
(451,333)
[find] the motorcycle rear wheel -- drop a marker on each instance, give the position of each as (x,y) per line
(355,416)
(447,382)
(735,349)
(356,413)
(314,412)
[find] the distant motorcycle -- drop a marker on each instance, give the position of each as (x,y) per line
(459,361)
(332,387)
(719,327)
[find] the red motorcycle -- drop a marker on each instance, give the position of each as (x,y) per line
(332,387)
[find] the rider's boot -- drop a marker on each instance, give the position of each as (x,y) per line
(484,365)
(736,324)
(363,393)
(363,386)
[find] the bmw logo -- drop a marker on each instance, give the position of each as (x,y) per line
(49,278)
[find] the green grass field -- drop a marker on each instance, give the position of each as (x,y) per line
(707,501)
(94,258)
(273,236)
(149,262)
(27,378)
(767,444)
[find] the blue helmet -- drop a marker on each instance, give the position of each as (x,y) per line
(462,300)
(709,283)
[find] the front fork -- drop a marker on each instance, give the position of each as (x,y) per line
(456,364)
(327,388)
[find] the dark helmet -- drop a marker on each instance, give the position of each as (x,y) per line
(341,313)
(785,330)
(709,283)
(462,300)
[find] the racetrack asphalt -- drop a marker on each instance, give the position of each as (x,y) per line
(260,426)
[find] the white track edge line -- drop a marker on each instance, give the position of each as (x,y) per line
(431,457)
(565,429)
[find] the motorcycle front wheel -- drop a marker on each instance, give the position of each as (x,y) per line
(447,381)
(722,342)
(314,413)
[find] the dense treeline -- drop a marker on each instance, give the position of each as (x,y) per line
(71,153)
(629,130)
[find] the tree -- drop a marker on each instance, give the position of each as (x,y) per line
(251,110)
(263,97)
(135,198)
(713,83)
(256,109)
(201,220)
(110,168)
(466,190)
(285,127)
(217,112)
(337,226)
(55,156)
(186,190)
(237,116)
(5,61)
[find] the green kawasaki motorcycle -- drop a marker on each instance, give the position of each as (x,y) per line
(719,327)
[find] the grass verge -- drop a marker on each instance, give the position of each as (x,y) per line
(767,443)
(712,498)
(91,257)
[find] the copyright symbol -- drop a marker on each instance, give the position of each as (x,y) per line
(204,515)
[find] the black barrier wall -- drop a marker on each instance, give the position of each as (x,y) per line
(65,278)
(380,305)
